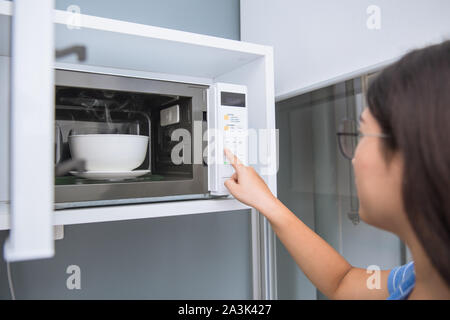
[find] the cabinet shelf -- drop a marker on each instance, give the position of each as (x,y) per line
(133,46)
(131,212)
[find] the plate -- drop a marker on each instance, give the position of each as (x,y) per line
(110,175)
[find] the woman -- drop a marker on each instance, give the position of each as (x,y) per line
(402,173)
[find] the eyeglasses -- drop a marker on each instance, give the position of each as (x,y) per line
(349,136)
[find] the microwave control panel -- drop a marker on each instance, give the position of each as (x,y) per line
(228,116)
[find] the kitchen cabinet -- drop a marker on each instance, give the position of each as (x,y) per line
(125,49)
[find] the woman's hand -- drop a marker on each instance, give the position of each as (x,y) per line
(247,186)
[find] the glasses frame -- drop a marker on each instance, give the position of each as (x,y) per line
(358,135)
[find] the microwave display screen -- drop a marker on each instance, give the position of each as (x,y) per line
(232,99)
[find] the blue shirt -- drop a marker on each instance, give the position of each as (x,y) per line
(401,281)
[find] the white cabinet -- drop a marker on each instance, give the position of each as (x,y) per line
(140,51)
(4,129)
(5,53)
(320,43)
(30,142)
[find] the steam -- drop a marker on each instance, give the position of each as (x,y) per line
(101,109)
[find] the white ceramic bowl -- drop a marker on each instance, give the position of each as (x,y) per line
(109,152)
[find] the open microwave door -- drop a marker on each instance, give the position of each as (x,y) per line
(31,131)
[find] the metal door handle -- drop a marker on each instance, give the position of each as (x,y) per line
(64,167)
(79,50)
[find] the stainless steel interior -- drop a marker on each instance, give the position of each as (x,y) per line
(97,103)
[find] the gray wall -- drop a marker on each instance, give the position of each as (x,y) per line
(315,41)
(188,257)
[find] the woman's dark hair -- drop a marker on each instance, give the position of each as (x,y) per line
(410,99)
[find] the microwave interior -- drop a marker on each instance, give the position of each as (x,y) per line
(90,104)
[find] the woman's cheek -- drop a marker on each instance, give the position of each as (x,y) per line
(358,166)
(361,167)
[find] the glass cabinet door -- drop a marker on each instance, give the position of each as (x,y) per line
(317,183)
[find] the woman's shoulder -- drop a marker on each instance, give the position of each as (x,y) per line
(401,281)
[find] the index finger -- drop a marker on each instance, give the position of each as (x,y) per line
(235,162)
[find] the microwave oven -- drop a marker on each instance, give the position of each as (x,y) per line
(187,126)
